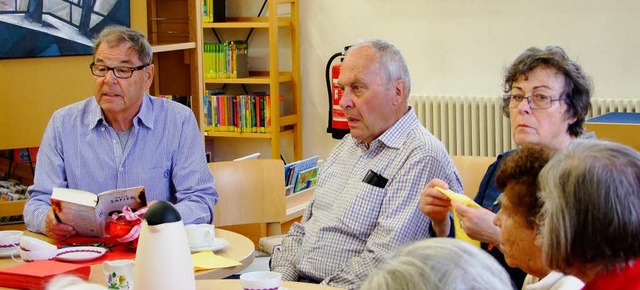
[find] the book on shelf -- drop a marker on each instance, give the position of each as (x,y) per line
(293,169)
(306,179)
(185,100)
(227,60)
(214,11)
(240,113)
(88,212)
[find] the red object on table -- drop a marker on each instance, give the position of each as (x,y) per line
(36,275)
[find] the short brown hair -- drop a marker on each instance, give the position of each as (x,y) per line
(521,169)
(577,84)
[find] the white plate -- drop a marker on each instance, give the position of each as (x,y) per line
(8,254)
(218,244)
(80,254)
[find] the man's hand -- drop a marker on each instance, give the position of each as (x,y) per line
(478,223)
(436,205)
(57,230)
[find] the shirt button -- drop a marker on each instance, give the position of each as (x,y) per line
(103,129)
(121,169)
(114,141)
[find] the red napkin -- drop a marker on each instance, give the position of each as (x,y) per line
(36,275)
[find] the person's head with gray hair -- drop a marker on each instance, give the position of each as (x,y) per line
(439,263)
(375,84)
(116,35)
(577,85)
(591,196)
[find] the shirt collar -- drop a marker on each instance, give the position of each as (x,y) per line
(397,134)
(145,115)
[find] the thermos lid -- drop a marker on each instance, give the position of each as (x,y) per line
(162,212)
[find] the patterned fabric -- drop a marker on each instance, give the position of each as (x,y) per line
(351,226)
(164,153)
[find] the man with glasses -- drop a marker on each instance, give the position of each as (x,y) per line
(122,137)
(558,97)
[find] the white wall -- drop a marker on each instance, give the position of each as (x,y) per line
(456,47)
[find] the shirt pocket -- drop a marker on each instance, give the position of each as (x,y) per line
(156,180)
(361,215)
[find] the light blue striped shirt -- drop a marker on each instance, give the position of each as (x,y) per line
(164,153)
(351,226)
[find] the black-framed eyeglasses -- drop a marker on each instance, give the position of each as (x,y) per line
(121,72)
(536,101)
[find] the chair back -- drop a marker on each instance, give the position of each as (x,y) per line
(471,170)
(251,191)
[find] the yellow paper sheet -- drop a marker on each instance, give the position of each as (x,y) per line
(465,200)
(207,260)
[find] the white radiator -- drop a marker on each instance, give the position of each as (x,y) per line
(475,125)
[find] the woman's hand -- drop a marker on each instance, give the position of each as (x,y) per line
(478,223)
(436,205)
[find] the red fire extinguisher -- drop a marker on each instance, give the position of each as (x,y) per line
(337,123)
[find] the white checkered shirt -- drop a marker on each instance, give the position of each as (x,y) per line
(351,226)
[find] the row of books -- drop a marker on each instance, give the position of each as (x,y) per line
(185,100)
(300,175)
(226,60)
(240,113)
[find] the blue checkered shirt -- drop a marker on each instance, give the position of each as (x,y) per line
(164,153)
(351,226)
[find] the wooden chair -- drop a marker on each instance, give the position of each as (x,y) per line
(471,170)
(251,192)
(12,208)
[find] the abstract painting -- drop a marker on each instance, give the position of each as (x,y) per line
(37,28)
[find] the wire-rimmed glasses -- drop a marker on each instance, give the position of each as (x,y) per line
(536,101)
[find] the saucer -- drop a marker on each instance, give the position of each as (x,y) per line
(80,254)
(8,254)
(218,244)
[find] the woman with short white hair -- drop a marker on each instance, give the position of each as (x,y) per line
(439,263)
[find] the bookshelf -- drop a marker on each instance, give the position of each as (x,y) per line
(172,27)
(274,78)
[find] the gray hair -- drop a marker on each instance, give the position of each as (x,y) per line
(116,35)
(577,84)
(591,210)
(439,263)
(390,59)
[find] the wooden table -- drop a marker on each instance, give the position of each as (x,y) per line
(240,249)
(235,284)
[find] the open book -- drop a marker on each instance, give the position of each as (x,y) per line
(88,212)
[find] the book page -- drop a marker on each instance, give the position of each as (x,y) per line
(112,201)
(76,208)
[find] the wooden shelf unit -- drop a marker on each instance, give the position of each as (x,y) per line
(274,77)
(173,29)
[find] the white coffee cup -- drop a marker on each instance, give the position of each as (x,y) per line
(200,235)
(9,240)
(32,244)
(261,280)
(119,273)
(35,255)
